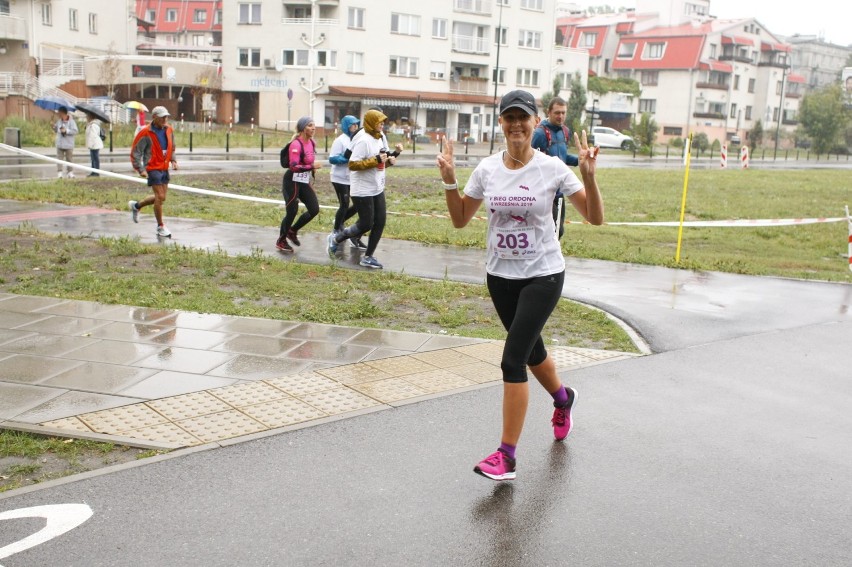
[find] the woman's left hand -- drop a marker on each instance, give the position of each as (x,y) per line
(587,154)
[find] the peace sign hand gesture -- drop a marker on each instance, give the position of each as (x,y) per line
(588,155)
(446,163)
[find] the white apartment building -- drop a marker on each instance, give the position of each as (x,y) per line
(429,64)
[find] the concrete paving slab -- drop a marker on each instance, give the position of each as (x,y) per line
(71,404)
(99,378)
(170,383)
(16,399)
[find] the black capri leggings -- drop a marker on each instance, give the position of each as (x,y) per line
(524,307)
(293,193)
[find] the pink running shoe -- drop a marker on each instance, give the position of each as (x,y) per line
(562,422)
(497,466)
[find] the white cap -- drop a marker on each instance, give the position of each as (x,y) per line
(160,111)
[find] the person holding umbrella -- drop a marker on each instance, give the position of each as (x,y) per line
(65,129)
(94,141)
(151,154)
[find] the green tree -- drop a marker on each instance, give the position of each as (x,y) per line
(576,104)
(557,86)
(701,142)
(645,131)
(824,117)
(755,136)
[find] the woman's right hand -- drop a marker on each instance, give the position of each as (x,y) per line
(446,163)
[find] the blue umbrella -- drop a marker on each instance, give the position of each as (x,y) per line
(53,103)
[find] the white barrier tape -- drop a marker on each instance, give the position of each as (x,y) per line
(137,179)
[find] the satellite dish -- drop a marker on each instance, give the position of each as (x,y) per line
(279,65)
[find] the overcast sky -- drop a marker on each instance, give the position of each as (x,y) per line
(830,18)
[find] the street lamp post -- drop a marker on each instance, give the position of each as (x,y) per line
(496,77)
(592,121)
(780,107)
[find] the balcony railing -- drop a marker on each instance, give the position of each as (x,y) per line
(325,22)
(470,85)
(715,115)
(471,44)
(737,58)
(716,86)
(13,28)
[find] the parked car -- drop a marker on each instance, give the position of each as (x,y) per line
(609,138)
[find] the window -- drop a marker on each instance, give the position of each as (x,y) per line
(439,28)
(694,9)
(437,70)
(648,105)
(217,17)
(672,130)
(326,58)
(502,2)
(751,85)
(47,14)
(295,57)
(501,36)
(403,66)
(712,51)
(405,24)
(588,39)
(779,87)
(199,16)
(171,15)
(249,57)
(93,23)
(499,76)
(356,18)
(626,51)
(4,8)
(533,5)
(736,82)
(654,50)
(72,19)
(527,77)
(150,15)
(249,13)
(354,62)
(198,39)
(775,114)
(649,78)
(717,108)
(748,113)
(527,38)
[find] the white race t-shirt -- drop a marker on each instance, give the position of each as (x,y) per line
(340,172)
(522,241)
(366,182)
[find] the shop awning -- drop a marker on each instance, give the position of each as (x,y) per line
(427,104)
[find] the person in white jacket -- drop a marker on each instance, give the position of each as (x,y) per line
(94,142)
(65,129)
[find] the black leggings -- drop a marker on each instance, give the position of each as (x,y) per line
(293,193)
(344,210)
(371,217)
(524,307)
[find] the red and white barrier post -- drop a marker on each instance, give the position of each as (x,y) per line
(744,157)
(724,155)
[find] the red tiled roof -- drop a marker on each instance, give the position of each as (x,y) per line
(624,27)
(679,53)
(597,49)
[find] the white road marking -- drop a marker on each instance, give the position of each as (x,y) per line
(60,519)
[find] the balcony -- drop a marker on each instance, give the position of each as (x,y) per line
(13,28)
(471,44)
(737,58)
(713,115)
(324,22)
(715,86)
(470,85)
(482,7)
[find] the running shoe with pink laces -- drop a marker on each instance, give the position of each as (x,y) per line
(562,422)
(497,466)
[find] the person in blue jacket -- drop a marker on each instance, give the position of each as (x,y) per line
(339,159)
(551,137)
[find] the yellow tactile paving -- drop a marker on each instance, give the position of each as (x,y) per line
(125,418)
(250,407)
(222,425)
(286,411)
(303,383)
(353,373)
(435,381)
(400,365)
(339,400)
(71,423)
(444,358)
(185,406)
(248,393)
(164,433)
(390,390)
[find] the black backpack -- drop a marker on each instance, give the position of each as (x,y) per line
(285,154)
(101,133)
